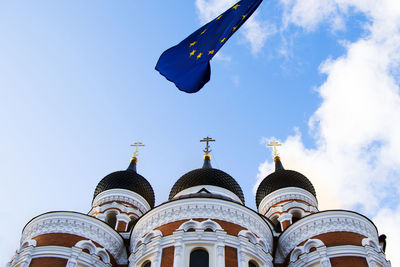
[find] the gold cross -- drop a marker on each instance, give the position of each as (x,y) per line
(137,145)
(207,140)
(274,144)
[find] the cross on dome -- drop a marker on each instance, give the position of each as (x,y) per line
(207,149)
(274,144)
(137,145)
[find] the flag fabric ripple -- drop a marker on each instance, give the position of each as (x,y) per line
(188,63)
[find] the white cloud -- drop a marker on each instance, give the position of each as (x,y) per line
(254,30)
(356,160)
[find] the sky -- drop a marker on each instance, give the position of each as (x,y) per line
(78,86)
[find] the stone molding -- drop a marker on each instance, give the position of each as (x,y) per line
(122,195)
(290,207)
(288,193)
(119,207)
(323,255)
(246,243)
(212,189)
(184,209)
(325,222)
(74,256)
(80,225)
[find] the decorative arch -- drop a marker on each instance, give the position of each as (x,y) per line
(28,243)
(369,242)
(311,243)
(249,235)
(147,238)
(91,247)
(204,225)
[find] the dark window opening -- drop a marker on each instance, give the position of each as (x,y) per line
(253,264)
(146,264)
(111,219)
(199,258)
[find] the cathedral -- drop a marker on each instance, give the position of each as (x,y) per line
(204,223)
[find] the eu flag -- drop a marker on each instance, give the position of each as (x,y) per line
(188,63)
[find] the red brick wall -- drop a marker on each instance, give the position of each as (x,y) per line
(63,240)
(230,228)
(48,262)
(339,238)
(167,257)
(231,259)
(349,262)
(121,226)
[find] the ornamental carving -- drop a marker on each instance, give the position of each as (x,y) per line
(203,208)
(77,224)
(325,222)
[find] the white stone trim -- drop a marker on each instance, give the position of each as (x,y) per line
(286,193)
(77,224)
(89,245)
(291,207)
(324,254)
(325,222)
(247,244)
(74,256)
(203,208)
(200,225)
(123,195)
(119,207)
(212,189)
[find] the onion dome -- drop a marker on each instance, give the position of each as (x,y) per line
(129,180)
(207,176)
(282,178)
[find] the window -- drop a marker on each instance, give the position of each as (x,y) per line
(146,264)
(111,219)
(131,224)
(199,258)
(253,264)
(296,216)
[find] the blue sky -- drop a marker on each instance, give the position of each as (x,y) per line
(78,86)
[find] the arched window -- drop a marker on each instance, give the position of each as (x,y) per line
(111,219)
(146,264)
(199,258)
(296,216)
(253,264)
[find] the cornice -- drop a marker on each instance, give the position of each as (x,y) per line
(77,224)
(203,208)
(287,193)
(325,222)
(122,195)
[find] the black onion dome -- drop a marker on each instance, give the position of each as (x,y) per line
(282,178)
(128,179)
(207,176)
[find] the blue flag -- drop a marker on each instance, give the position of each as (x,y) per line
(188,63)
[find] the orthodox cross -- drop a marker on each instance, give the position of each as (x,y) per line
(207,140)
(274,144)
(137,145)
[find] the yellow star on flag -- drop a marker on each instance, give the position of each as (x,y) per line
(236,6)
(203,32)
(223,40)
(244,16)
(192,44)
(219,17)
(211,52)
(199,55)
(234,28)
(192,53)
